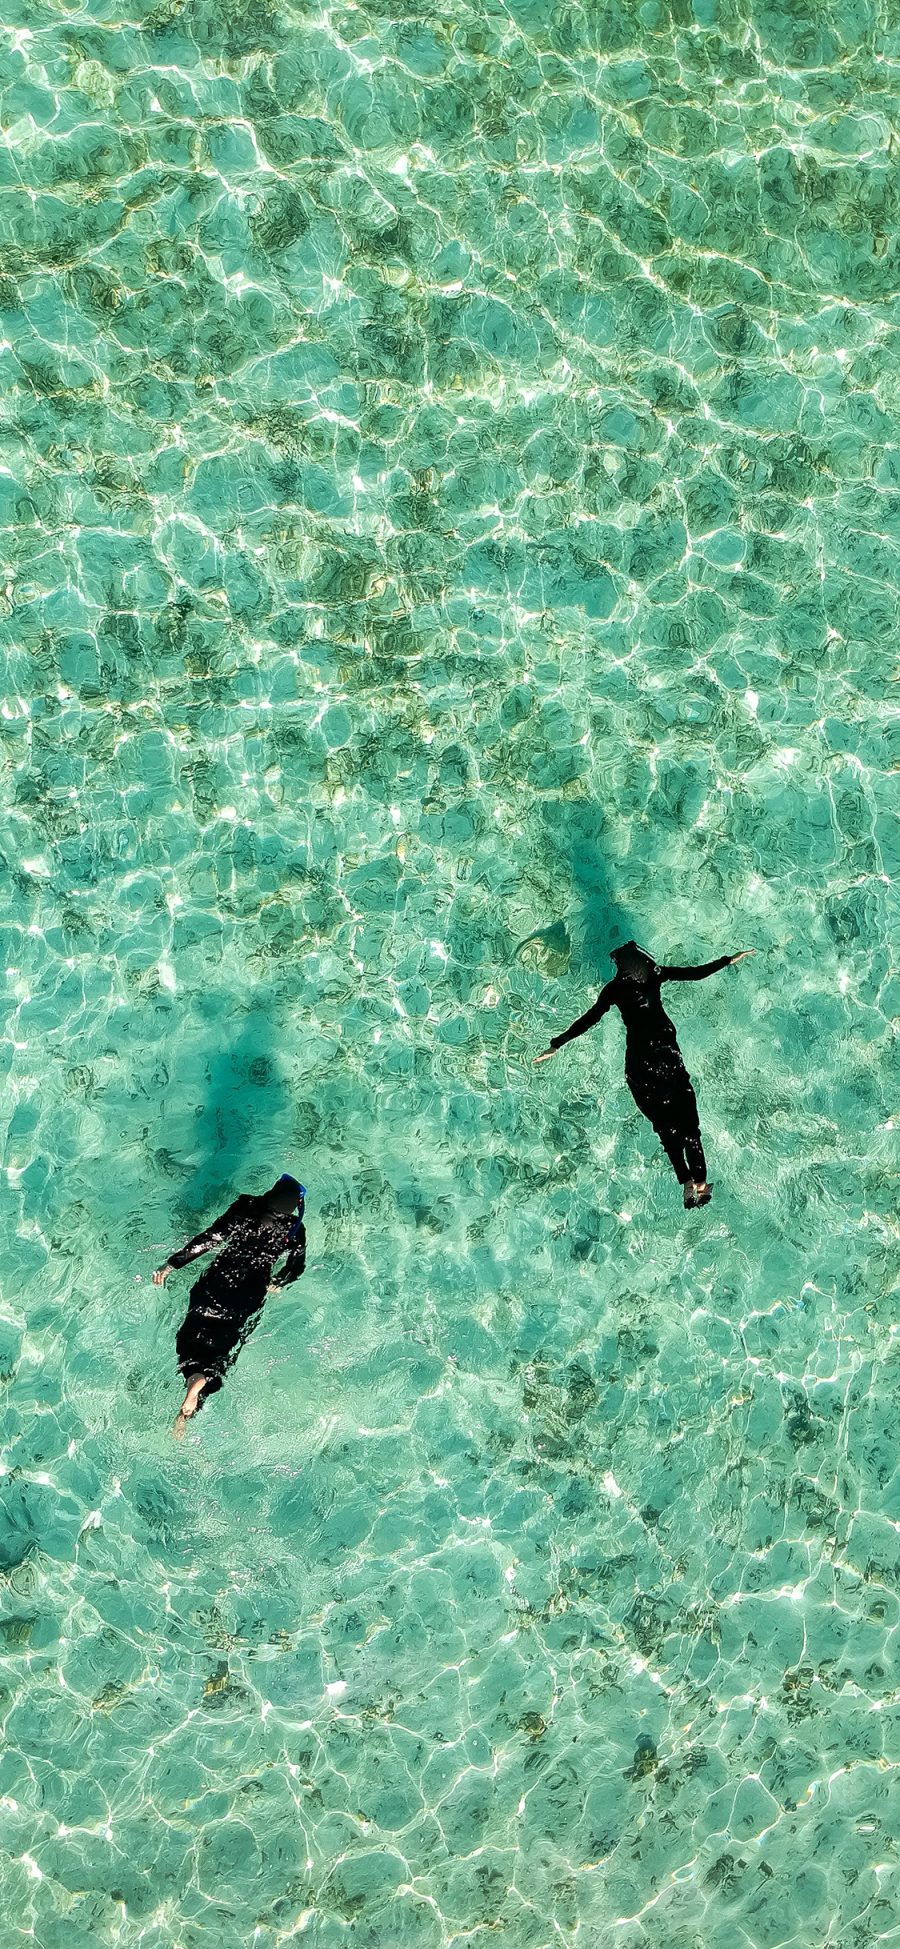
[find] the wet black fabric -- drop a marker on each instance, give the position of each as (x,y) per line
(654,1066)
(228,1298)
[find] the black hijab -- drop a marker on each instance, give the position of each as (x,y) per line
(633,963)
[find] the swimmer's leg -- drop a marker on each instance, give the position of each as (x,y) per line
(196,1384)
(191,1401)
(673,1145)
(664,1114)
(701,1192)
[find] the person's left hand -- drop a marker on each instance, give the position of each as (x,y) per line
(161,1275)
(544,1056)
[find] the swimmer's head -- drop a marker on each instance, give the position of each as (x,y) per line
(286,1196)
(632,962)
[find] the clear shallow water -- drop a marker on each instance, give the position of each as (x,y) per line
(450,520)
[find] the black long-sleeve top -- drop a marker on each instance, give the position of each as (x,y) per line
(254,1241)
(648,1030)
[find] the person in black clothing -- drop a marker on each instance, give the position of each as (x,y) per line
(654,1067)
(228,1298)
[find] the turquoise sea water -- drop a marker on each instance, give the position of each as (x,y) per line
(450,522)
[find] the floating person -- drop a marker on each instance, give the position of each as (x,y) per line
(654,1066)
(226,1302)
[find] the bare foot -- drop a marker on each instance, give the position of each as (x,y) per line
(195,1389)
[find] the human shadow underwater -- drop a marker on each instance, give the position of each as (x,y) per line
(654,1066)
(228,1298)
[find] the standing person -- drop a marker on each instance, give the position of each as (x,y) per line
(229,1296)
(654,1066)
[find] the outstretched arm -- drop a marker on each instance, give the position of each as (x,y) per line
(295,1262)
(705,968)
(586,1021)
(214,1235)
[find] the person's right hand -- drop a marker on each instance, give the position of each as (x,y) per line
(745,951)
(544,1056)
(161,1275)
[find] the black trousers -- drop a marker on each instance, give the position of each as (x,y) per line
(208,1341)
(670,1105)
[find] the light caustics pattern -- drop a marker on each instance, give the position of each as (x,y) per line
(450,523)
